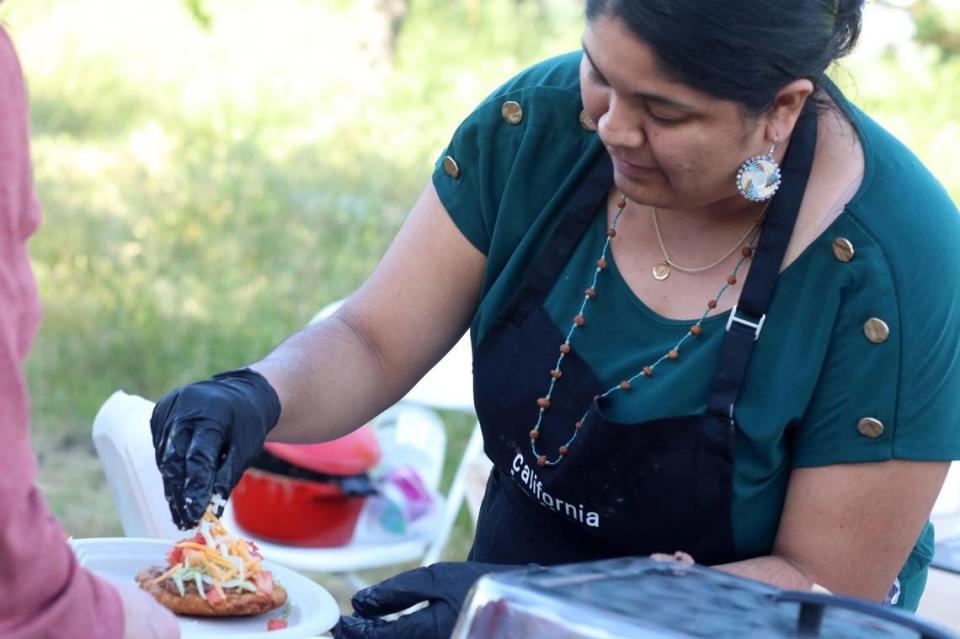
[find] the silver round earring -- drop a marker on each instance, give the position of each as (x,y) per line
(759,177)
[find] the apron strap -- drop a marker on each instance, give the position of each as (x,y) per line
(575,214)
(747,317)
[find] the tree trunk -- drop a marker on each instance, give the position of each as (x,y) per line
(393,12)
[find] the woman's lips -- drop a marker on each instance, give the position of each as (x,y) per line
(632,170)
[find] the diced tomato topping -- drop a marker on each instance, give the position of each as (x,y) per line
(263,580)
(276,623)
(175,556)
(214,598)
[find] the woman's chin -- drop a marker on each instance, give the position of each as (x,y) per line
(642,191)
(635,172)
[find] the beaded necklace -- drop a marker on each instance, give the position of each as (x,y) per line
(543,403)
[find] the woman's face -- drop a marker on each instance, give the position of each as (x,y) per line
(672,146)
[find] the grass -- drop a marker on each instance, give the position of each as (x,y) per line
(206,191)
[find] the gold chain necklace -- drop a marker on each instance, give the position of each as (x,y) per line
(661,270)
(579,320)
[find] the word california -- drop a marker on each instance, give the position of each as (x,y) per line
(535,486)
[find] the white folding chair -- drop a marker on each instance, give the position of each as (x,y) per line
(121,435)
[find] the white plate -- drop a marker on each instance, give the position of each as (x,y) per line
(313,609)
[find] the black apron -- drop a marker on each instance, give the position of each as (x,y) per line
(623,488)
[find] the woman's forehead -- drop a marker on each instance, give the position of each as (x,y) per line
(628,63)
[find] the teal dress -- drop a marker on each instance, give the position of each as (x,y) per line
(859,359)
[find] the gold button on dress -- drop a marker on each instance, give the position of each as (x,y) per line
(451,167)
(512,112)
(843,249)
(876,330)
(870,427)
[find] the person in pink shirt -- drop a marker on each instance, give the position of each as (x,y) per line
(45,592)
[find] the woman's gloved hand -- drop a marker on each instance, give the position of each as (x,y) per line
(443,586)
(205,435)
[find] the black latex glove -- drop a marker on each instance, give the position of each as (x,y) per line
(205,435)
(444,586)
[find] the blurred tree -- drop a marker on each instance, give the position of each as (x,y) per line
(198,11)
(936,25)
(394,11)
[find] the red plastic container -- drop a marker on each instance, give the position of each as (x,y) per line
(308,496)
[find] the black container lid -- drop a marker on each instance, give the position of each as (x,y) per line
(695,601)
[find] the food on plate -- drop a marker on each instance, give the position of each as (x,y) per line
(213,574)
(281,622)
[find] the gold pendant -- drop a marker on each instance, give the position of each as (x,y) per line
(661,271)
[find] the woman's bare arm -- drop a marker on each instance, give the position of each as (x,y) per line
(849,527)
(335,375)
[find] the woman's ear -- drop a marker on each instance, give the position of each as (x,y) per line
(786,109)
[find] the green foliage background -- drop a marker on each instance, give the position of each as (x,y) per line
(214,172)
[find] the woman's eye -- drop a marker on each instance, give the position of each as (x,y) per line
(665,118)
(596,77)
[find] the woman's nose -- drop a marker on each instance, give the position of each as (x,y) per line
(619,127)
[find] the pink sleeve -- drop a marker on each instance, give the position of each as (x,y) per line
(45,592)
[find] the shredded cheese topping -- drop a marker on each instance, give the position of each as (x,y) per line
(221,560)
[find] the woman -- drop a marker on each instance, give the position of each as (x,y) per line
(46,594)
(670,354)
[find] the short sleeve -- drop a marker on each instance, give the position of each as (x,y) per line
(470,174)
(889,387)
(524,136)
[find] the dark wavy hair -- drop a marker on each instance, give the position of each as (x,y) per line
(740,50)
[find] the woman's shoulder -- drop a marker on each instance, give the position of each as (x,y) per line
(559,74)
(904,209)
(542,97)
(900,198)
(513,153)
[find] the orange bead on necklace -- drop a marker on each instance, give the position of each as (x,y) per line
(580,321)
